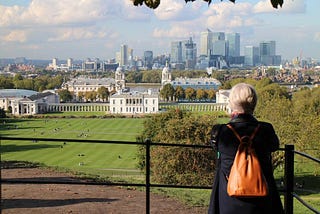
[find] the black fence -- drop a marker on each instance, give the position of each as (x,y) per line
(288,188)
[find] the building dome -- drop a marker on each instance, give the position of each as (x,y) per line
(166,75)
(119,70)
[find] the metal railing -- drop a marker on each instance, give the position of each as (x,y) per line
(288,188)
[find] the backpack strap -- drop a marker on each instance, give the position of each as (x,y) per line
(238,136)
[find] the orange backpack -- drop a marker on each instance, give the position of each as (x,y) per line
(246,178)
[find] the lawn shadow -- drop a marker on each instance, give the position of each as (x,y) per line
(18,148)
(36,203)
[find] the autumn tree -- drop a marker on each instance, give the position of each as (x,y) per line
(103,93)
(201,94)
(167,92)
(179,93)
(175,165)
(65,95)
(211,94)
(190,93)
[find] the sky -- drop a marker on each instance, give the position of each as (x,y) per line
(46,29)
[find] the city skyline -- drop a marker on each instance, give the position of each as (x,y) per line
(97,28)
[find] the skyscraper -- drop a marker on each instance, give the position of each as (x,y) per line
(148,59)
(190,54)
(268,53)
(176,52)
(206,43)
(251,56)
(123,55)
(234,44)
(219,44)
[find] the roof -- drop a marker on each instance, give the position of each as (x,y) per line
(87,81)
(16,93)
(39,96)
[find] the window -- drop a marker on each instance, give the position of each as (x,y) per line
(146,109)
(146,101)
(121,102)
(114,101)
(114,109)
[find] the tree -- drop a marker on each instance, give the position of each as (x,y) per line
(65,95)
(190,93)
(201,94)
(167,92)
(179,93)
(103,93)
(211,94)
(2,113)
(187,166)
(153,4)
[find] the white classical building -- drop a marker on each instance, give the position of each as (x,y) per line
(84,84)
(196,83)
(134,102)
(26,102)
(222,97)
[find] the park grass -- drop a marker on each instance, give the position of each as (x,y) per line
(100,159)
(113,160)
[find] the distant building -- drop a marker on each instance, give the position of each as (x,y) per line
(222,97)
(234,44)
(26,102)
(134,102)
(84,84)
(268,53)
(251,56)
(196,83)
(206,43)
(148,59)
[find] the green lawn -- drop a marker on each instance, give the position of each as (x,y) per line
(89,158)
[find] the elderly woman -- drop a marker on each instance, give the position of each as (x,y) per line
(243,100)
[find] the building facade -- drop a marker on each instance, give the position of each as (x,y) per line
(81,85)
(134,103)
(25,102)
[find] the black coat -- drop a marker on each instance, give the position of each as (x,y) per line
(226,143)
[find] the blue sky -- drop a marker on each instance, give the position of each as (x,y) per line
(45,29)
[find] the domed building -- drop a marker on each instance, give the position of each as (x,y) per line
(195,83)
(84,84)
(166,76)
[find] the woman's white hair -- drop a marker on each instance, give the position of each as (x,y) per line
(243,98)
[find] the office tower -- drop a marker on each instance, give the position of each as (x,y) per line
(123,55)
(54,63)
(220,47)
(219,44)
(234,44)
(218,36)
(251,56)
(206,43)
(148,59)
(69,62)
(190,54)
(176,52)
(268,53)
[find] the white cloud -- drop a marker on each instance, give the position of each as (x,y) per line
(71,34)
(67,12)
(131,12)
(15,36)
(169,9)
(174,32)
(289,6)
(317,37)
(226,15)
